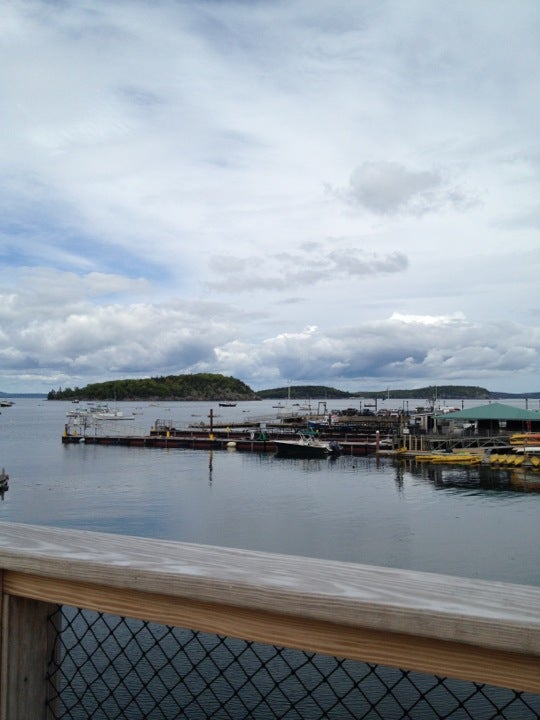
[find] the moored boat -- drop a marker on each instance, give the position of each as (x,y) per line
(98,412)
(307,446)
(112,415)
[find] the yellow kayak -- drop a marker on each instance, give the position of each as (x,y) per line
(450,458)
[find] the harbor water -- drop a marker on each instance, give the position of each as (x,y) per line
(471,521)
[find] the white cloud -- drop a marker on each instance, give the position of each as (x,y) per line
(207,179)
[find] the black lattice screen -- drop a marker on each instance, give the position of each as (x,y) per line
(108,667)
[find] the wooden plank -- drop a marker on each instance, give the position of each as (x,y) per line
(444,658)
(497,616)
(25,653)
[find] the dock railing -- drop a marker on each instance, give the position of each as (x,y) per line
(477,631)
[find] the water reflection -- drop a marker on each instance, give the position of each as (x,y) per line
(399,476)
(210,466)
(306,464)
(477,477)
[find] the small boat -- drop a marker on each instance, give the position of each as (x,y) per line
(80,412)
(111,415)
(88,411)
(307,446)
(98,412)
(226,404)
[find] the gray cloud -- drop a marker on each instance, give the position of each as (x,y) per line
(311,264)
(403,349)
(87,342)
(388,188)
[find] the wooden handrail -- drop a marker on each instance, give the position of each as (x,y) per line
(475,630)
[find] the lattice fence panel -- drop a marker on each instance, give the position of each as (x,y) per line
(107,667)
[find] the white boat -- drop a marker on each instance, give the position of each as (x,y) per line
(99,412)
(111,415)
(307,446)
(82,412)
(88,411)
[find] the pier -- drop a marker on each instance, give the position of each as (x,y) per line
(484,430)
(201,440)
(365,436)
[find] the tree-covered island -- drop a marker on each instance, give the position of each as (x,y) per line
(199,386)
(210,387)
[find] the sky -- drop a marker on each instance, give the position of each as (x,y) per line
(289,192)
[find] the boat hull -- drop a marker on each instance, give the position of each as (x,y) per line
(285,449)
(306,447)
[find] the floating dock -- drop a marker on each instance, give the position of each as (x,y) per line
(259,439)
(198,442)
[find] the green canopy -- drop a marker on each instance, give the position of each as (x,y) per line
(492,411)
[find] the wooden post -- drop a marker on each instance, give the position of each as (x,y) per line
(26,647)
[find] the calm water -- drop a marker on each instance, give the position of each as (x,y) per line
(468,522)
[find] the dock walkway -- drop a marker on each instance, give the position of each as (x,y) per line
(198,442)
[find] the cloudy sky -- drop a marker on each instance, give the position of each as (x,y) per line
(339,192)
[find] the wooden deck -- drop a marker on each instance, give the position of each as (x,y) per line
(197,442)
(480,631)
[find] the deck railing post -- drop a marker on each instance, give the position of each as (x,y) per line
(26,647)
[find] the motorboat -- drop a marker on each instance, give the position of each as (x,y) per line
(111,415)
(98,412)
(307,446)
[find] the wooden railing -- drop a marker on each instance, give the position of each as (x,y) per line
(485,632)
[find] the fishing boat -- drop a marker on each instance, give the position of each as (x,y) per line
(108,414)
(98,412)
(88,411)
(307,446)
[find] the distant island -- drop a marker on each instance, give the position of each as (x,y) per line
(431,392)
(200,386)
(210,386)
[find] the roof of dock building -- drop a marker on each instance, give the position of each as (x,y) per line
(492,411)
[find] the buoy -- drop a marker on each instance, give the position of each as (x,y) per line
(231,445)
